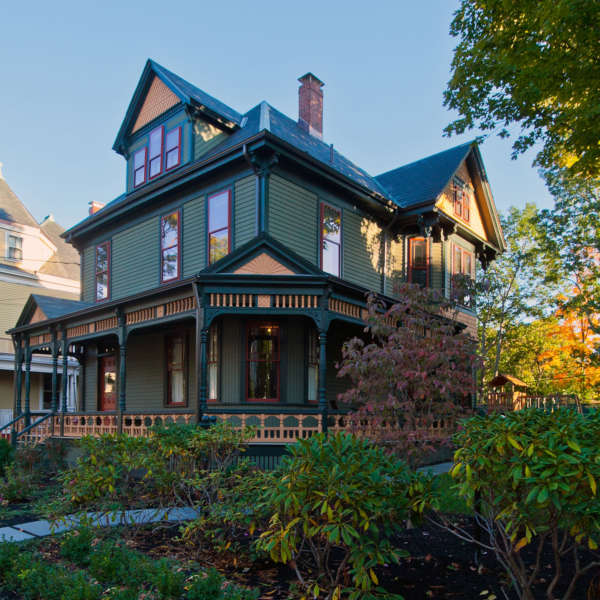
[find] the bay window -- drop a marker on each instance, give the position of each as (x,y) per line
(173,148)
(219,226)
(155,153)
(262,362)
(331,239)
(102,271)
(169,246)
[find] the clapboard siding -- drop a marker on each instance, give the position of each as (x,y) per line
(145,372)
(91,378)
(194,236)
(244,210)
(232,360)
(292,217)
(361,251)
(294,336)
(135,259)
(394,266)
(206,137)
(437,265)
(87,285)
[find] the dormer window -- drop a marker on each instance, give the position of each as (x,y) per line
(173,148)
(139,167)
(155,152)
(15,247)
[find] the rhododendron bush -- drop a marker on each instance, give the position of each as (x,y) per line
(413,374)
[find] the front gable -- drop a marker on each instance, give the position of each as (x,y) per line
(159,99)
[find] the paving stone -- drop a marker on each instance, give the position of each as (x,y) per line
(9,534)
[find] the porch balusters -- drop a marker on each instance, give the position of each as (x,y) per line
(27,383)
(322,376)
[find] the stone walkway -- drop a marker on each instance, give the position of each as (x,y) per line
(36,529)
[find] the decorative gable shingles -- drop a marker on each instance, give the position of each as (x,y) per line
(263,264)
(158,100)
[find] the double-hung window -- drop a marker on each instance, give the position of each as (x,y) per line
(418,261)
(155,153)
(169,246)
(15,247)
(176,370)
(102,271)
(262,361)
(139,167)
(331,239)
(461,200)
(463,267)
(219,226)
(173,148)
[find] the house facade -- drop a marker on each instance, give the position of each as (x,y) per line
(226,278)
(34,259)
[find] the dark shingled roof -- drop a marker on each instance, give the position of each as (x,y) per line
(12,209)
(65,261)
(189,91)
(424,180)
(57,307)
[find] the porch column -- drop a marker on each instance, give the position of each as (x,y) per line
(202,399)
(323,408)
(18,375)
(63,387)
(27,382)
(122,384)
(54,406)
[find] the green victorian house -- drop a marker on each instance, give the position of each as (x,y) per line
(227,276)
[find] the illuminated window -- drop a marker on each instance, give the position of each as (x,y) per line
(262,360)
(331,239)
(418,261)
(169,246)
(102,271)
(176,370)
(219,226)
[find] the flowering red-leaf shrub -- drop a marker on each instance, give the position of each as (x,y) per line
(413,379)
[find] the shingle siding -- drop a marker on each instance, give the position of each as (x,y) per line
(135,259)
(292,217)
(244,210)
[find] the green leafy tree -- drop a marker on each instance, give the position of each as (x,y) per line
(534,64)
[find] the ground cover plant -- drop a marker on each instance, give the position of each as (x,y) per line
(531,478)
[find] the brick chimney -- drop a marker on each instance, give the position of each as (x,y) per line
(310,105)
(95,207)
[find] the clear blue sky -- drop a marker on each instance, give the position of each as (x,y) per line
(68,71)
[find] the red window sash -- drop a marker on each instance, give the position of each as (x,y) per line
(276,360)
(326,238)
(211,232)
(159,155)
(175,245)
(411,267)
(102,272)
(169,150)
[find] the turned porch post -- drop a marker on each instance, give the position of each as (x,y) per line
(27,382)
(54,406)
(64,380)
(202,400)
(322,377)
(122,367)
(18,375)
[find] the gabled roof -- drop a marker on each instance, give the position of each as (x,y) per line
(65,261)
(50,306)
(423,180)
(12,209)
(189,95)
(258,247)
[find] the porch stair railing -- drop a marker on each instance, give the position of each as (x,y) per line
(6,430)
(36,432)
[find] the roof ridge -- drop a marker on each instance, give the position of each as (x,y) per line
(265,117)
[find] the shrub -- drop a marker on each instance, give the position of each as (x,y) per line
(6,455)
(113,563)
(17,485)
(76,546)
(338,494)
(212,586)
(166,580)
(537,476)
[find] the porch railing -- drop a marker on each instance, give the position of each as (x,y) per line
(507,401)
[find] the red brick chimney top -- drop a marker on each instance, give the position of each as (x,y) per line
(310,104)
(95,207)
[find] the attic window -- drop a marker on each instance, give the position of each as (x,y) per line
(139,167)
(15,247)
(461,199)
(173,148)
(156,151)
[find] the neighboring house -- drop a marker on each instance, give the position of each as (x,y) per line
(226,277)
(34,259)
